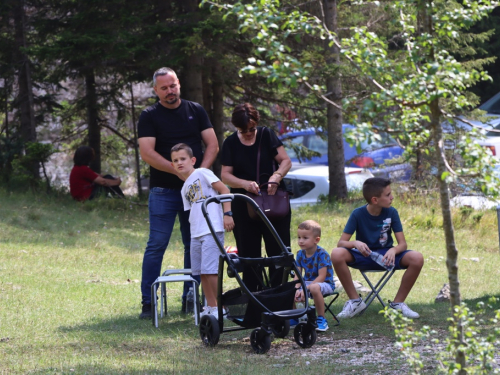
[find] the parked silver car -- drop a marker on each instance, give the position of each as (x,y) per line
(308,183)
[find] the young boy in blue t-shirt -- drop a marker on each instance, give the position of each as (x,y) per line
(318,270)
(374,224)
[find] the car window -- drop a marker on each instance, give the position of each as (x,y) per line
(299,140)
(492,105)
(494,134)
(298,187)
(317,143)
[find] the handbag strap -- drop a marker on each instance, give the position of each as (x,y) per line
(258,157)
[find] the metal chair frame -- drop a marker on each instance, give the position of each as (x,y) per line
(177,275)
(377,288)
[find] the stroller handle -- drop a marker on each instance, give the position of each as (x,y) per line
(229,198)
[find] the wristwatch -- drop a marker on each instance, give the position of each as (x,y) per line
(228,213)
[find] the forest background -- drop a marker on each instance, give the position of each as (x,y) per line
(79,72)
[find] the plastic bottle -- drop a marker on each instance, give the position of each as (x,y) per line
(190,300)
(378,258)
(300,306)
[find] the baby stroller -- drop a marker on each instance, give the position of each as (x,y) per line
(269,310)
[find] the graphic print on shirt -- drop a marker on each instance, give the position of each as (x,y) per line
(386,226)
(195,193)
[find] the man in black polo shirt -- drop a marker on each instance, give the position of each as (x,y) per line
(161,126)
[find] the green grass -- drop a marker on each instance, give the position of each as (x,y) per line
(70,291)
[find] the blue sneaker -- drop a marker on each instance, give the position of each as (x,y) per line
(322,324)
(293,322)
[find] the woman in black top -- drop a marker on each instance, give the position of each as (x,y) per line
(239,171)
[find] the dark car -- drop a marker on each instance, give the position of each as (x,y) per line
(373,156)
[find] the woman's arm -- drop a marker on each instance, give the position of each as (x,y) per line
(285,164)
(231,180)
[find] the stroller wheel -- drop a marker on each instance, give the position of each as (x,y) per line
(260,341)
(209,330)
(281,329)
(305,335)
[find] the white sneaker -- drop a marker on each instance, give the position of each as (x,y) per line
(215,312)
(205,311)
(352,308)
(403,307)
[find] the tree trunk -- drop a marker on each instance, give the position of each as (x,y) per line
(94,130)
(449,232)
(218,110)
(336,160)
(25,96)
(136,143)
(192,87)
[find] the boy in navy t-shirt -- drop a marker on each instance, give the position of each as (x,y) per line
(374,224)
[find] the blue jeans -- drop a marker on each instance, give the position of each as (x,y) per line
(164,206)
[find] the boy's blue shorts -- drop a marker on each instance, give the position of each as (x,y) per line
(367,264)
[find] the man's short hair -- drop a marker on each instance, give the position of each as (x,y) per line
(312,226)
(182,146)
(373,187)
(162,72)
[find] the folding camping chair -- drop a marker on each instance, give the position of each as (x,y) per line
(377,288)
(329,305)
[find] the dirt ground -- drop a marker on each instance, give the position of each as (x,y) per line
(373,355)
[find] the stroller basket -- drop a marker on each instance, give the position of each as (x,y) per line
(245,312)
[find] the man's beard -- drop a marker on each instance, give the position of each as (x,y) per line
(174,99)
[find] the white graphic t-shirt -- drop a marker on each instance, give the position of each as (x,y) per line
(196,189)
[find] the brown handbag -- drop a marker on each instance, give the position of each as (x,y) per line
(274,206)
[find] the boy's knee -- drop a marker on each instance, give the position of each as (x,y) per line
(314,288)
(415,259)
(340,255)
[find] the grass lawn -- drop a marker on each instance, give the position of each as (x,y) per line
(70,292)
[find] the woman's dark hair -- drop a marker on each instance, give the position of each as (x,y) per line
(245,116)
(83,155)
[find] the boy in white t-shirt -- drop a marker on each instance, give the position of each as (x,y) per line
(199,185)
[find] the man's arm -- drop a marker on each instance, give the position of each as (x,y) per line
(153,158)
(211,147)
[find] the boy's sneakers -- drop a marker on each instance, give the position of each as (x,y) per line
(352,308)
(207,310)
(214,311)
(403,307)
(294,322)
(322,324)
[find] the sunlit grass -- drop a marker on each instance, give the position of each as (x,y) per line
(70,288)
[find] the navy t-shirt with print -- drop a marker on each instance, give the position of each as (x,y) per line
(375,231)
(313,264)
